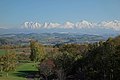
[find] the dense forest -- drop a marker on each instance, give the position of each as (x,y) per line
(89,61)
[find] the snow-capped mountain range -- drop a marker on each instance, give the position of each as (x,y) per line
(82,27)
(115,25)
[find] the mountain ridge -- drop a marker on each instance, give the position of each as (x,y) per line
(114,24)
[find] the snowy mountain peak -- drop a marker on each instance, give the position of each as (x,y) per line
(32,25)
(115,25)
(84,24)
(68,25)
(111,25)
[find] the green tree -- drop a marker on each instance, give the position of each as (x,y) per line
(8,61)
(64,62)
(102,61)
(37,51)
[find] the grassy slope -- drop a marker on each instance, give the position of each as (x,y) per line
(17,75)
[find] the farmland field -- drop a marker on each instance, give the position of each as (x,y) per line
(17,51)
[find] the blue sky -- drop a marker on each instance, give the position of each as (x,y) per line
(14,12)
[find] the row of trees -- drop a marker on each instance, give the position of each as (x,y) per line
(98,61)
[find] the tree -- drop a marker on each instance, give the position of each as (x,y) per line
(64,62)
(74,50)
(68,55)
(46,68)
(102,61)
(8,61)
(37,51)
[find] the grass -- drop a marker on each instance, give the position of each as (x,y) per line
(20,73)
(27,67)
(2,51)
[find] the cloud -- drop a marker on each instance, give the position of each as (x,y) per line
(115,24)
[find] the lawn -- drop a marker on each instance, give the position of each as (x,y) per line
(2,51)
(21,72)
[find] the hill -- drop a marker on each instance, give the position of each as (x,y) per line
(49,38)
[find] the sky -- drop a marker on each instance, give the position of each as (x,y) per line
(13,13)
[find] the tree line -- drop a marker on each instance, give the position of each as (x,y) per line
(97,61)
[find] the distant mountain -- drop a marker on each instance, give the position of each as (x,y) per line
(115,25)
(82,27)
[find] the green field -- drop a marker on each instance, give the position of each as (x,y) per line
(20,73)
(2,51)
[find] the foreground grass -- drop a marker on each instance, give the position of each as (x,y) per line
(2,51)
(20,72)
